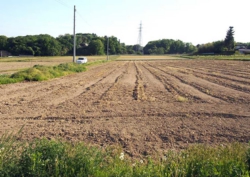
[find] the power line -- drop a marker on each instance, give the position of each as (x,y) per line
(62,3)
(78,13)
(83,19)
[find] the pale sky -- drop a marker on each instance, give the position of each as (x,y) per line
(195,21)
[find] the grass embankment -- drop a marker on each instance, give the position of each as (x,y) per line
(41,73)
(55,158)
(218,57)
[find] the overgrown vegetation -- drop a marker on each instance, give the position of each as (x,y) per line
(56,158)
(41,73)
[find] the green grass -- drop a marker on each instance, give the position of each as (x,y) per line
(218,57)
(41,73)
(6,79)
(56,158)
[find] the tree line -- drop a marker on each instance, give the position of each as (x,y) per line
(168,46)
(86,44)
(91,44)
(226,46)
(46,45)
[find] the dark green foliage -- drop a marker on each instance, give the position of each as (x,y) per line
(214,47)
(219,47)
(168,46)
(38,45)
(46,45)
(96,47)
(42,158)
(229,40)
(3,42)
(131,49)
(248,158)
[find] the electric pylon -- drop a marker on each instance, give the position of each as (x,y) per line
(139,42)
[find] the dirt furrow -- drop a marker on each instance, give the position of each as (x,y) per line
(219,69)
(227,82)
(139,93)
(107,95)
(55,99)
(154,88)
(21,91)
(146,107)
(233,78)
(183,90)
(212,89)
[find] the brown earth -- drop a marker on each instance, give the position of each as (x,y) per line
(144,106)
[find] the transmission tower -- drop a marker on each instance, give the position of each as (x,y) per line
(139,42)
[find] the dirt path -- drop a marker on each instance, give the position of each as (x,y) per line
(144,106)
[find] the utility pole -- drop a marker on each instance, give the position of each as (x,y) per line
(107,48)
(74,32)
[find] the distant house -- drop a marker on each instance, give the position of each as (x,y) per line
(4,53)
(244,51)
(240,46)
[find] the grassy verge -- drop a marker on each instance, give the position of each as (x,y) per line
(55,158)
(62,59)
(41,73)
(218,57)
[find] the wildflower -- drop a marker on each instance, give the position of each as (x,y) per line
(122,156)
(141,161)
(133,164)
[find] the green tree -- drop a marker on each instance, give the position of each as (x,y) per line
(168,46)
(3,42)
(66,42)
(96,47)
(229,40)
(130,50)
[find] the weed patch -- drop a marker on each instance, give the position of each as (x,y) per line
(6,79)
(42,157)
(41,73)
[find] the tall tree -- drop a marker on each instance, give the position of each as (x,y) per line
(3,42)
(229,40)
(96,47)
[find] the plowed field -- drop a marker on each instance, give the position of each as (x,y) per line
(144,106)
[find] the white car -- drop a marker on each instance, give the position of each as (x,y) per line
(81,60)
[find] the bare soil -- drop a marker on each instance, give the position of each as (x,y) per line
(146,107)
